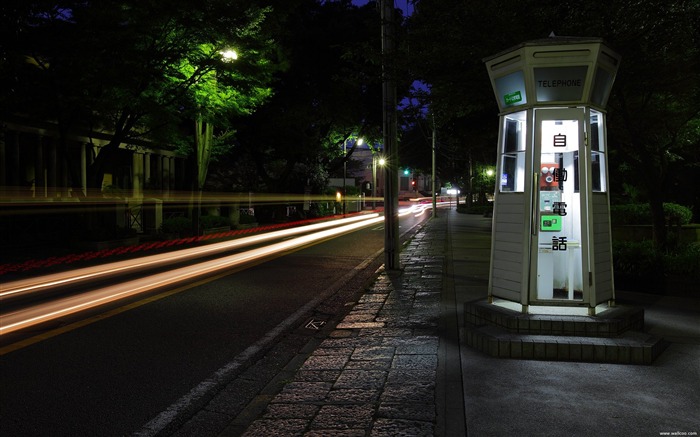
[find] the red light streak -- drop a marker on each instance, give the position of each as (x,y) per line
(48,311)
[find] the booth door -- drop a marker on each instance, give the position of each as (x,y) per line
(557,246)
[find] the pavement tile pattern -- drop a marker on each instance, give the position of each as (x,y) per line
(375,374)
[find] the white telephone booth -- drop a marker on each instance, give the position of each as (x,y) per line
(551,242)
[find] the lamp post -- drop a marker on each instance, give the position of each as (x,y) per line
(203,143)
(374,179)
(358,142)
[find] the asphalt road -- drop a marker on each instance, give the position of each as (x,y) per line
(120,370)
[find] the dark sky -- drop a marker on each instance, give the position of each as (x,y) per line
(406,5)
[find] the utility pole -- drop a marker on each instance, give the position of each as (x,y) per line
(391,177)
(433,175)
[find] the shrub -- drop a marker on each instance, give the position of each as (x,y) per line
(176,225)
(640,259)
(640,214)
(246,219)
(685,261)
(213,221)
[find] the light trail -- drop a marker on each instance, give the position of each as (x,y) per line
(38,284)
(45,312)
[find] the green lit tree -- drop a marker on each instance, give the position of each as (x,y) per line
(135,69)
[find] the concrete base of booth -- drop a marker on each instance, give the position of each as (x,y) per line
(614,336)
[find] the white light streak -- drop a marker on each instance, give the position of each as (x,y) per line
(62,307)
(85,274)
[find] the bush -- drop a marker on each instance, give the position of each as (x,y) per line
(213,221)
(636,257)
(685,261)
(640,214)
(639,267)
(176,225)
(246,219)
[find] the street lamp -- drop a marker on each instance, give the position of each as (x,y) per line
(228,55)
(358,142)
(374,178)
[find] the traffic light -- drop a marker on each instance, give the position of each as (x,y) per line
(406,171)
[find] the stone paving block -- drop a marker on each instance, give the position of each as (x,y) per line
(407,410)
(317,375)
(414,362)
(371,297)
(291,411)
(385,332)
(359,317)
(278,428)
(399,427)
(336,433)
(401,376)
(335,417)
(341,333)
(345,351)
(304,392)
(409,392)
(359,325)
(366,379)
(373,353)
(419,345)
(353,395)
(350,342)
(369,364)
(325,362)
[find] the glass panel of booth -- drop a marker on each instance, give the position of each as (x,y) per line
(510,89)
(559,273)
(513,153)
(597,145)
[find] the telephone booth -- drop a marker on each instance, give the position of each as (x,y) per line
(551,242)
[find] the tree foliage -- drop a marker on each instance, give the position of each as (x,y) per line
(134,69)
(328,92)
(653,111)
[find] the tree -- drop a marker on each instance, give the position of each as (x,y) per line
(117,66)
(653,114)
(329,92)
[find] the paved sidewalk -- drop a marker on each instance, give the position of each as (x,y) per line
(396,364)
(377,373)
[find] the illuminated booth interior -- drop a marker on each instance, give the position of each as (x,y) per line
(551,242)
